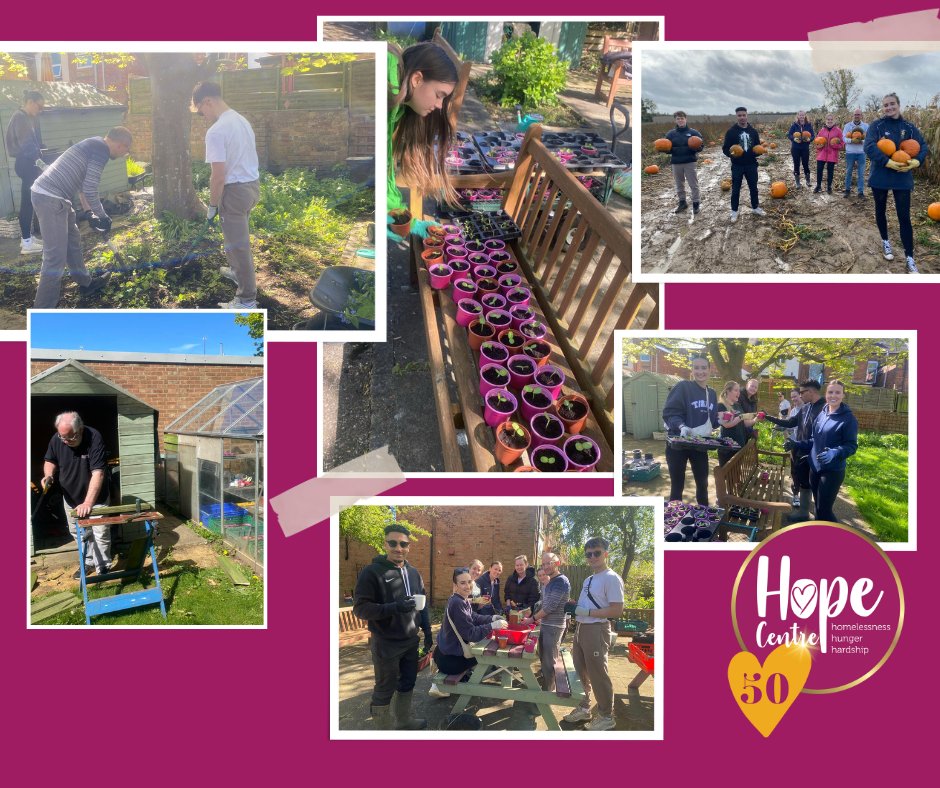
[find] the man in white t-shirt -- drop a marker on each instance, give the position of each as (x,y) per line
(601,599)
(233,187)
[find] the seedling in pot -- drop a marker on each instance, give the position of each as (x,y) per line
(514,435)
(534,329)
(548,426)
(512,339)
(536,349)
(498,402)
(496,375)
(494,352)
(466,285)
(522,366)
(549,378)
(499,318)
(440,270)
(536,395)
(518,295)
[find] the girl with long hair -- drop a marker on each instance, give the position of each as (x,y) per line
(733,422)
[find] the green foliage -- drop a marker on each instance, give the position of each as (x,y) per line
(120,59)
(647,110)
(134,168)
(528,71)
(876,477)
(201,173)
(255,323)
(11,68)
(879,440)
(639,587)
(366,524)
(305,62)
(361,303)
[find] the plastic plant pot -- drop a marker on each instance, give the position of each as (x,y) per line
(533,329)
(492,376)
(476,247)
(493,353)
(519,296)
(499,256)
(453,240)
(495,245)
(452,229)
(511,338)
(575,414)
(401,223)
(432,256)
(479,331)
(582,453)
(477,259)
(520,314)
(507,282)
(549,459)
(546,430)
(506,266)
(437,230)
(492,301)
(460,266)
(512,439)
(499,405)
(486,284)
(455,252)
(433,242)
(484,272)
(463,288)
(552,378)
(521,370)
(535,400)
(500,320)
(439,276)
(468,310)
(539,350)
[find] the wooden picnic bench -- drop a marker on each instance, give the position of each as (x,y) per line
(738,483)
(352,629)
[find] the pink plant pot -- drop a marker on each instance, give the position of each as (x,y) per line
(487,386)
(439,275)
(459,293)
(453,240)
(533,329)
(529,409)
(492,301)
(493,353)
(518,380)
(537,423)
(520,314)
(455,252)
(500,319)
(519,296)
(483,272)
(452,229)
(500,256)
(573,464)
(495,245)
(464,314)
(508,281)
(461,268)
(560,464)
(476,247)
(495,417)
(546,371)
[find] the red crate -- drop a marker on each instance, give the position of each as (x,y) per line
(642,655)
(516,637)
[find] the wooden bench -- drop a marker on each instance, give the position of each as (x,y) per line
(738,483)
(352,629)
(619,70)
(576,259)
(566,680)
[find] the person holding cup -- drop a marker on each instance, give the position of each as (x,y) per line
(734,422)
(390,597)
(489,584)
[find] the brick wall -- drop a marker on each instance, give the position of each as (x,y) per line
(170,388)
(460,534)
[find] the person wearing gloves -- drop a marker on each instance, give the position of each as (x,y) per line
(683,161)
(802,422)
(855,153)
(834,439)
(384,598)
(744,164)
(521,589)
(828,154)
(601,599)
(234,187)
(734,422)
(690,409)
(420,130)
(801,137)
(887,175)
(489,584)
(551,616)
(24,145)
(77,171)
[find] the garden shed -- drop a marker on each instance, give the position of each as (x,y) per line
(214,464)
(476,41)
(73,111)
(127,425)
(644,395)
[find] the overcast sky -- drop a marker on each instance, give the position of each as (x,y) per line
(714,83)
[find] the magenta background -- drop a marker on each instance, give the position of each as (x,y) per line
(172,710)
(817,553)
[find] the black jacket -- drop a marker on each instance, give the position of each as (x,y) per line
(681,152)
(379,586)
(803,421)
(747,138)
(525,593)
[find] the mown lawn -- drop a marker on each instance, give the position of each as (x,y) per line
(876,478)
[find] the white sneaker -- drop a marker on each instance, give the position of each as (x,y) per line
(734,216)
(30,246)
(759,212)
(912,266)
(578,715)
(235,304)
(434,692)
(888,254)
(602,724)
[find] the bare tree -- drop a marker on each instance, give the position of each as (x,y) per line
(841,88)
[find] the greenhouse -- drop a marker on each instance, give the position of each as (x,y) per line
(214,465)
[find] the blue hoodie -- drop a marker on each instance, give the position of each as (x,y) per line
(837,431)
(897,130)
(689,404)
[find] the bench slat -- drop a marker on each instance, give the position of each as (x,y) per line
(562,688)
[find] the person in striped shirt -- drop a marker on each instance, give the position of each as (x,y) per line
(77,171)
(551,616)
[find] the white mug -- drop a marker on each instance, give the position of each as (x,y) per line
(420,600)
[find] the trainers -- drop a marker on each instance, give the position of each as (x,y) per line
(602,724)
(236,304)
(888,254)
(847,193)
(828,190)
(817,190)
(96,285)
(434,692)
(228,273)
(89,570)
(30,246)
(758,211)
(682,206)
(734,216)
(912,266)
(578,715)
(695,207)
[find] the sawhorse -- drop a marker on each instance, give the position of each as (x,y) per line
(152,596)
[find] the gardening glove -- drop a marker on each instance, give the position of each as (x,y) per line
(499,623)
(100,223)
(582,611)
(392,236)
(419,227)
(913,164)
(684,431)
(896,165)
(529,621)
(404,605)
(211,212)
(827,456)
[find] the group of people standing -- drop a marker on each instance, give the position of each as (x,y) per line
(390,596)
(823,434)
(885,175)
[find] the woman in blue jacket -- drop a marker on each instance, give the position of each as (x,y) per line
(799,146)
(887,175)
(461,620)
(691,409)
(835,439)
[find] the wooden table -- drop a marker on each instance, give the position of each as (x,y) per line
(517,679)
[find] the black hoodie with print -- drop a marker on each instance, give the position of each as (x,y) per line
(379,586)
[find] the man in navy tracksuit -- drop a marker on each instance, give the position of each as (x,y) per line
(683,161)
(743,166)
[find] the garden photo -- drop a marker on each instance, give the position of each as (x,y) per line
(745,436)
(190,180)
(759,162)
(509,249)
(146,468)
(484,619)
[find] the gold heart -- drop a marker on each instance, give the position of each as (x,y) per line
(765,692)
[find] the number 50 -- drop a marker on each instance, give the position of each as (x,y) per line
(775,687)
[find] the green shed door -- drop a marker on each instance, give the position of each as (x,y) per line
(467,38)
(647,415)
(571,41)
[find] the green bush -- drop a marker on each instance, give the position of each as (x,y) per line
(529,72)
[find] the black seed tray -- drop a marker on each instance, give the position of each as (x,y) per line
(701,443)
(476,227)
(490,141)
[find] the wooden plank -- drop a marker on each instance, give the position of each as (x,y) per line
(233,570)
(570,256)
(491,648)
(562,687)
(38,605)
(455,679)
(515,652)
(603,311)
(587,297)
(574,681)
(36,618)
(145,507)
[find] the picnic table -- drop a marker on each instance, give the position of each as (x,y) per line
(517,680)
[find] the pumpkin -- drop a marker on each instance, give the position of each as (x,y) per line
(886,146)
(933,211)
(737,150)
(759,150)
(726,185)
(807,136)
(797,136)
(706,161)
(695,143)
(858,136)
(662,144)
(820,142)
(651,170)
(910,147)
(835,142)
(773,145)
(778,189)
(900,156)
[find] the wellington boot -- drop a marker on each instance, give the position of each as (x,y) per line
(404,720)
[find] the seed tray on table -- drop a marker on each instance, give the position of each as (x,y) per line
(478,226)
(691,522)
(568,147)
(498,149)
(733,531)
(678,442)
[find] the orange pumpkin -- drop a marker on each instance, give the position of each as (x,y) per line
(820,142)
(651,170)
(737,150)
(900,156)
(835,142)
(796,136)
(933,211)
(886,146)
(726,185)
(759,150)
(910,147)
(695,143)
(773,145)
(807,136)
(858,136)
(778,189)
(662,144)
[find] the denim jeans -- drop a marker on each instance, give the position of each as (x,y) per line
(851,161)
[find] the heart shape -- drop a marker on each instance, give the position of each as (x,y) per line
(764,693)
(802,595)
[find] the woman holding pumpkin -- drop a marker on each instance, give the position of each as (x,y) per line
(801,134)
(896,148)
(828,144)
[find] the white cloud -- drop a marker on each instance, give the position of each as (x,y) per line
(184,348)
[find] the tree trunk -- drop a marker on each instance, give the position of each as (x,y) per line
(173,76)
(628,532)
(727,356)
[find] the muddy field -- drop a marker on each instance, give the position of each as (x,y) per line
(803,233)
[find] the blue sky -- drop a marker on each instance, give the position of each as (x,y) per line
(157,332)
